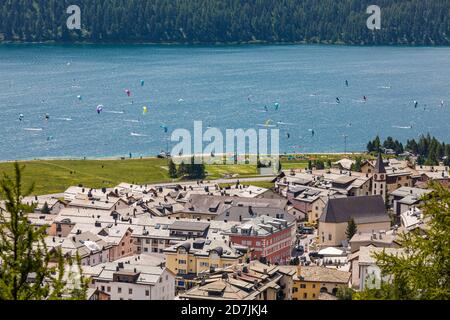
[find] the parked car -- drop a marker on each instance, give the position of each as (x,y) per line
(315,255)
(307,230)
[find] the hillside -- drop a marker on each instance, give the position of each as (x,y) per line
(411,22)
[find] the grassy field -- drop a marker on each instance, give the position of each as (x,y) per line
(54,176)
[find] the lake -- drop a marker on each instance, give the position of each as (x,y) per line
(223,86)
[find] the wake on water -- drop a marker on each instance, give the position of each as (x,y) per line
(115,112)
(400,127)
(138,135)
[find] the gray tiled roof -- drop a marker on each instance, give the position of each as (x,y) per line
(365,209)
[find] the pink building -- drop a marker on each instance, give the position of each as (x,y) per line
(270,239)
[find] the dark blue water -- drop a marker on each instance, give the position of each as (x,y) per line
(225,87)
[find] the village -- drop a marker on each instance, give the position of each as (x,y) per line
(308,237)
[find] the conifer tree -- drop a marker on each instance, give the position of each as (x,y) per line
(172,169)
(351,229)
(421,269)
(28,270)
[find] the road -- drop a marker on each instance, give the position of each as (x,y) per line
(218,181)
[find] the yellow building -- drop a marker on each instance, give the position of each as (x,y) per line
(192,257)
(310,282)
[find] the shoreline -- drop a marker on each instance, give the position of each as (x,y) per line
(125,158)
(222,44)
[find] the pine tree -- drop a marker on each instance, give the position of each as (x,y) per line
(358,164)
(182,170)
(26,272)
(172,170)
(351,229)
(45,209)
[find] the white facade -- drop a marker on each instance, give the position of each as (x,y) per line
(162,289)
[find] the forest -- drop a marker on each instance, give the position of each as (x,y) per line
(429,150)
(403,22)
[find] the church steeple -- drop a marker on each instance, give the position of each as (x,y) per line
(379,179)
(379,165)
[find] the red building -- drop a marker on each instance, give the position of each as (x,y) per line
(268,237)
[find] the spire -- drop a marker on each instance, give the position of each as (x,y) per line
(379,165)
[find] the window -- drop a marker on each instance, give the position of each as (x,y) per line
(130,291)
(119,290)
(294,289)
(204,264)
(103,288)
(147,293)
(305,295)
(329,237)
(303,286)
(108,289)
(181,271)
(147,241)
(145,249)
(314,286)
(182,262)
(258,243)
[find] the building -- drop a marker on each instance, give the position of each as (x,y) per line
(251,281)
(188,229)
(54,205)
(364,269)
(190,258)
(368,212)
(379,179)
(153,240)
(140,277)
(271,239)
(380,239)
(310,282)
(206,207)
(90,248)
(405,198)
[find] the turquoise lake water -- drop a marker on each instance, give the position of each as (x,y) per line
(223,86)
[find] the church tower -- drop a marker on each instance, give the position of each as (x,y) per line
(379,178)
